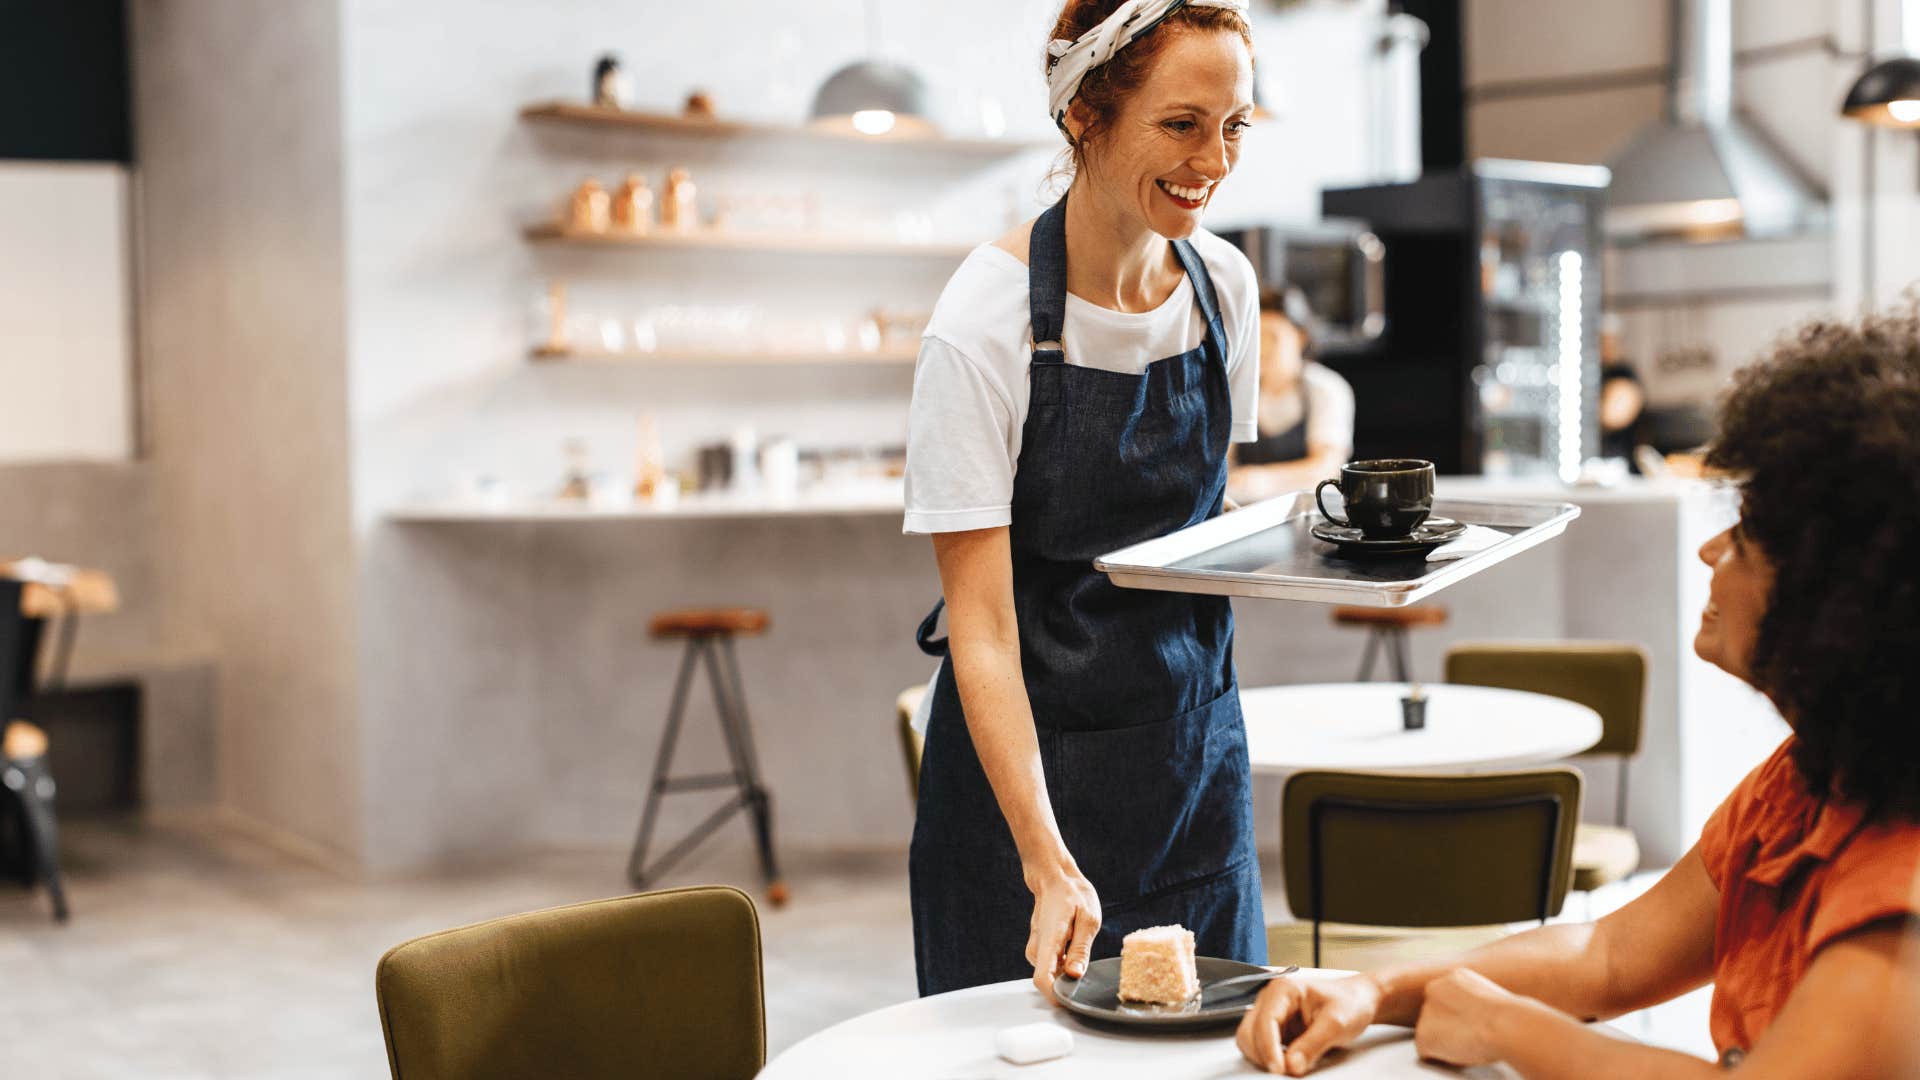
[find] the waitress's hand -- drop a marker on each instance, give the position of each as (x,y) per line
(1066,916)
(1295,1021)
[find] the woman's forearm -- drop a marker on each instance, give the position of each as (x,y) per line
(1541,1043)
(1564,966)
(993,694)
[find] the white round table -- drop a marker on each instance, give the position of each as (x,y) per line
(951,1037)
(1357,727)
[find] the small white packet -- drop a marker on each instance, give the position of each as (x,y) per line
(1030,1043)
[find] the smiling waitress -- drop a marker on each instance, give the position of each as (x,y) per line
(1085,771)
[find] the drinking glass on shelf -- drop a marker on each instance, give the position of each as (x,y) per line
(613,335)
(641,336)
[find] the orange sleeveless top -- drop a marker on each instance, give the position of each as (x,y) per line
(1794,873)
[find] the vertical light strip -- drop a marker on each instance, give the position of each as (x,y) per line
(1572,338)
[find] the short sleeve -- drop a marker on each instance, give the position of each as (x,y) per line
(1329,409)
(960,455)
(1875,877)
(1243,344)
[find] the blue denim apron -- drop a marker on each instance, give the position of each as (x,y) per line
(1133,692)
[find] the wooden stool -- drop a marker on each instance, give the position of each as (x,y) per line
(709,633)
(1388,626)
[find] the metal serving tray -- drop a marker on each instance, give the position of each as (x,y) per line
(1265,550)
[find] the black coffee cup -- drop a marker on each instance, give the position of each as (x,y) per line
(1386,499)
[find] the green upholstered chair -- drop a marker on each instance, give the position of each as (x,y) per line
(663,984)
(1424,865)
(910,741)
(1609,677)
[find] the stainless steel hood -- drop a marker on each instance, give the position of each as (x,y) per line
(1700,171)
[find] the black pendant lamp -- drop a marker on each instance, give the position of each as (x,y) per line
(1887,94)
(873,97)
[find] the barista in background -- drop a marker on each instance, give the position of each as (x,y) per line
(1306,409)
(1623,398)
(1623,404)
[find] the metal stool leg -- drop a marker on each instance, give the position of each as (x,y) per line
(663,762)
(1401,665)
(33,786)
(1366,657)
(759,800)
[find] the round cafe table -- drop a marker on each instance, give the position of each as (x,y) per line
(951,1037)
(1357,727)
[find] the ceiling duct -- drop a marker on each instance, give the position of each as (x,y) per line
(1700,170)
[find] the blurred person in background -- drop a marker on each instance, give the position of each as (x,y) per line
(1306,409)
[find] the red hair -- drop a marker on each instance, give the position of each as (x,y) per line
(1106,88)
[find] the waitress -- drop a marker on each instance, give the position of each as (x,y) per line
(1085,770)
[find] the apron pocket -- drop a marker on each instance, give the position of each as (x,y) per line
(1153,806)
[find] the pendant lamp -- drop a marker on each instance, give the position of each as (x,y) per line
(873,97)
(1887,94)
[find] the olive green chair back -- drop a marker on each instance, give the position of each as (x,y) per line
(1609,677)
(663,984)
(1428,851)
(911,743)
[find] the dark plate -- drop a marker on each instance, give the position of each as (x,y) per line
(1096,996)
(1430,534)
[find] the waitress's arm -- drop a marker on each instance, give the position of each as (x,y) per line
(983,635)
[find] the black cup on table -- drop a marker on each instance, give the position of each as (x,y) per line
(1386,499)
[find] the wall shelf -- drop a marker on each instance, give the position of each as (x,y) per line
(756,242)
(889,355)
(573,114)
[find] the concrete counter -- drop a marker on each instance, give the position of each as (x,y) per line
(535,699)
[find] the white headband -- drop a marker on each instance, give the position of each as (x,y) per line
(1072,60)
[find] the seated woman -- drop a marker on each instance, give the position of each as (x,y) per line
(1306,409)
(1800,900)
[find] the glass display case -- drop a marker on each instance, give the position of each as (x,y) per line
(1536,387)
(1490,357)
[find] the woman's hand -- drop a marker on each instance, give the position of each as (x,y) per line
(1066,915)
(1296,1020)
(1456,1023)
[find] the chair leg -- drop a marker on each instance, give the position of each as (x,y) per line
(747,764)
(1366,657)
(663,763)
(34,787)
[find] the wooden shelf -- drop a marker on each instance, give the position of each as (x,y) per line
(758,243)
(888,355)
(570,113)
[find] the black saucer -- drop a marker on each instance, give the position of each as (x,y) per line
(1426,536)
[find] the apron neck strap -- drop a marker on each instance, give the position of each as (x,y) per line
(1047,283)
(1196,268)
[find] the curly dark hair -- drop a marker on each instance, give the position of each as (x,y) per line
(1824,437)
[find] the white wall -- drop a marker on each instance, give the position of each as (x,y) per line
(66,356)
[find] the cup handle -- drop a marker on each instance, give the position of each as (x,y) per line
(1324,512)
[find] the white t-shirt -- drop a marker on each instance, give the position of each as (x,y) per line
(970,385)
(1329,409)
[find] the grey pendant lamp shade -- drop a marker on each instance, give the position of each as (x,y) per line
(1888,94)
(874,97)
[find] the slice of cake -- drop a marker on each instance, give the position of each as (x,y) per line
(1156,965)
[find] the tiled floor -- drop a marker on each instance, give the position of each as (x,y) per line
(194,952)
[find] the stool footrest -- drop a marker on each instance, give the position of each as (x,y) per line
(697,783)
